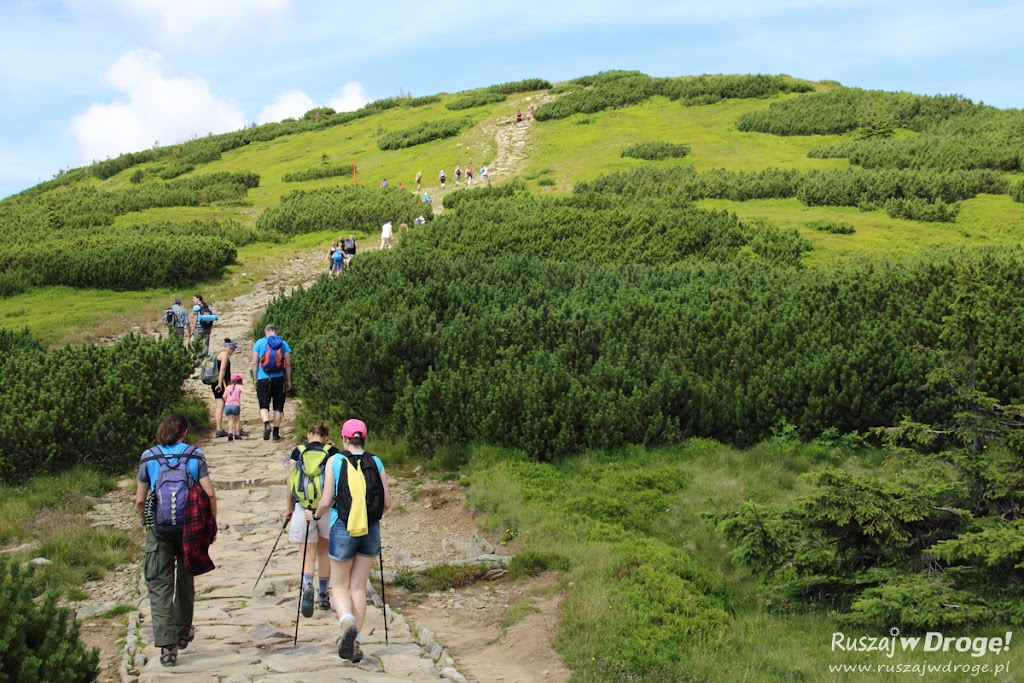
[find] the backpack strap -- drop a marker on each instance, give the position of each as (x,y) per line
(187,454)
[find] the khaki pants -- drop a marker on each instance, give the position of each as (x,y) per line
(171,588)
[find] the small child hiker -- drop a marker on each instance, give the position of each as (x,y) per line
(306,474)
(233,407)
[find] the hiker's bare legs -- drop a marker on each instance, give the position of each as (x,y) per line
(323,559)
(359,575)
(342,596)
(278,418)
(218,413)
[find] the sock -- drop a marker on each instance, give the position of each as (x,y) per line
(346,617)
(359,638)
(307,579)
(323,587)
(266,423)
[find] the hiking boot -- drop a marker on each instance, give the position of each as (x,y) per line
(277,436)
(220,433)
(325,602)
(240,433)
(266,432)
(307,600)
(347,644)
(231,437)
(357,653)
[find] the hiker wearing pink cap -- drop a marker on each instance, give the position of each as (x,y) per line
(357,495)
(233,407)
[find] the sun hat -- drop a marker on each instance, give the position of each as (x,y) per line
(353,429)
(238,377)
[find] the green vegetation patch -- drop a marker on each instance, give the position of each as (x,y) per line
(423,132)
(654,151)
(110,397)
(476,100)
(318,173)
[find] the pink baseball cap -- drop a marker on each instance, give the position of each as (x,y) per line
(353,428)
(236,376)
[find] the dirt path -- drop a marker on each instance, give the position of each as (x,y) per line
(247,636)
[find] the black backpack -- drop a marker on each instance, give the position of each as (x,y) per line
(374,487)
(206,310)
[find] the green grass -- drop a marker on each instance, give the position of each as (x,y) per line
(50,512)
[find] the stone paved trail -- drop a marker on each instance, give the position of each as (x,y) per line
(244,635)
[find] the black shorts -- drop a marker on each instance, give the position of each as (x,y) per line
(217,393)
(271,390)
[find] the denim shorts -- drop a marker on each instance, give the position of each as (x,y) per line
(232,410)
(344,547)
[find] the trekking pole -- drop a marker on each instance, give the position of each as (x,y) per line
(383,602)
(283,527)
(305,546)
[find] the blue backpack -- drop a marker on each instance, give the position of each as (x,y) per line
(272,359)
(170,490)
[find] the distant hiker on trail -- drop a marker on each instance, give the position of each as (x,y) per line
(330,256)
(350,249)
(179,320)
(384,182)
(483,174)
(420,220)
(203,327)
(386,236)
(223,376)
(181,523)
(458,175)
(441,177)
(519,117)
(233,407)
(426,197)
(469,176)
(272,363)
(337,259)
(419,179)
(357,495)
(306,474)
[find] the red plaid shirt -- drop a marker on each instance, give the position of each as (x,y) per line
(199,533)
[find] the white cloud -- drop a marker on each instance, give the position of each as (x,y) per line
(289,104)
(349,97)
(195,24)
(157,107)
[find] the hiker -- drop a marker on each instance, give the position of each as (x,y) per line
(306,474)
(420,220)
(272,363)
(223,375)
(350,249)
(233,407)
(330,256)
(519,116)
(483,174)
(203,327)
(419,180)
(171,556)
(179,320)
(441,178)
(386,236)
(384,182)
(355,529)
(469,176)
(337,259)
(458,175)
(426,197)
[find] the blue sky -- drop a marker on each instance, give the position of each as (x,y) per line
(89,79)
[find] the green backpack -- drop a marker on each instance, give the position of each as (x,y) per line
(307,478)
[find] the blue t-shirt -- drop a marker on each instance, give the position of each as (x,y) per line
(149,471)
(337,476)
(259,348)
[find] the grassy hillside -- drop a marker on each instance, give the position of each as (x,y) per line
(551,155)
